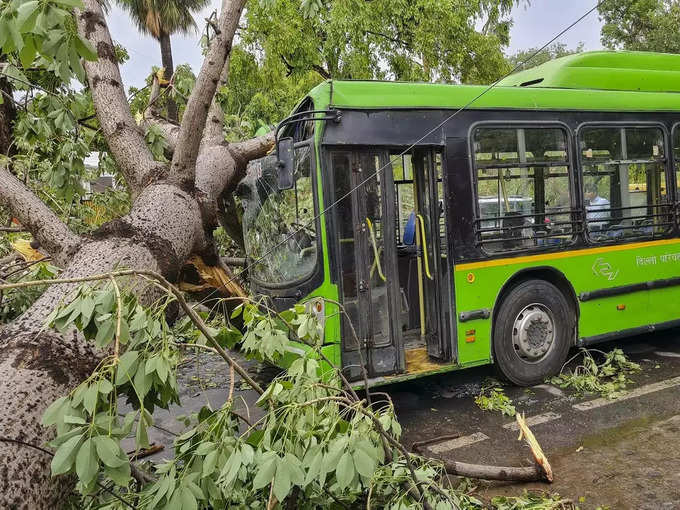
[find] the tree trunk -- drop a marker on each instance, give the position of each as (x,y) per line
(38,365)
(8,113)
(166,59)
(173,213)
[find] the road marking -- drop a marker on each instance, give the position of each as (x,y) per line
(637,392)
(534,420)
(667,354)
(458,442)
(553,390)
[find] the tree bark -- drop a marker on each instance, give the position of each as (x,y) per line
(125,139)
(8,113)
(52,234)
(169,70)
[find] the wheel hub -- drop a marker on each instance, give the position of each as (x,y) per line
(533,332)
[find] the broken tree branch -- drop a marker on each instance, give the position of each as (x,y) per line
(52,234)
(540,472)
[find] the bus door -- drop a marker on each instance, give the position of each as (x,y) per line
(369,282)
(433,268)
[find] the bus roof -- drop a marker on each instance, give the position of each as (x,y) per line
(601,81)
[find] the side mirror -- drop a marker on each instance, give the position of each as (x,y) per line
(286,163)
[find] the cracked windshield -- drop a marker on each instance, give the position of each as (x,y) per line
(279,224)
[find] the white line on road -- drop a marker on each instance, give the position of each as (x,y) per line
(553,390)
(458,442)
(534,420)
(637,392)
(667,354)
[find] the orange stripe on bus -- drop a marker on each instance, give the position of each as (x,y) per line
(562,255)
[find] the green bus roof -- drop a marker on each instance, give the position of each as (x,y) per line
(601,81)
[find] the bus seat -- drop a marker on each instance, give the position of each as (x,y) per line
(410,230)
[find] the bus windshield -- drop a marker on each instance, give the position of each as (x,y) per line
(279,225)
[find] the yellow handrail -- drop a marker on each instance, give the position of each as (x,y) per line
(423,242)
(375,250)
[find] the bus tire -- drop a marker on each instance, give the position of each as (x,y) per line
(533,332)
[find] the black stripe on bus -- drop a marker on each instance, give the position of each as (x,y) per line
(482,313)
(627,289)
(640,330)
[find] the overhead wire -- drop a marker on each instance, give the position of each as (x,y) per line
(394,158)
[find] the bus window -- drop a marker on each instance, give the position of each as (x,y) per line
(676,156)
(522,185)
(279,225)
(624,186)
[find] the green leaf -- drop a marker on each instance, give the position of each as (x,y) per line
(87,463)
(85,49)
(265,473)
(209,463)
(90,399)
(125,365)
(345,470)
(65,455)
(205,447)
(74,420)
(54,412)
(364,464)
(282,482)
(25,11)
(120,475)
(188,500)
(70,3)
(105,333)
(104,386)
(109,451)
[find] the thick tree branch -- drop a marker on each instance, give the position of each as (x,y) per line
(251,149)
(213,133)
(183,166)
(52,234)
(124,137)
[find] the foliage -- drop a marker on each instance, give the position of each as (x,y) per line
(608,378)
(421,40)
(641,25)
(316,442)
(493,398)
(533,501)
(14,302)
(158,17)
(521,60)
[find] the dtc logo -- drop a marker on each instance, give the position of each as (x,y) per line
(604,268)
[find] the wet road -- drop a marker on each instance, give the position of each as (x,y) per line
(622,453)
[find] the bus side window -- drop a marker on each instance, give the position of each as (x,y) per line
(676,157)
(624,186)
(522,187)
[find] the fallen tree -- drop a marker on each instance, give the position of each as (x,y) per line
(173,214)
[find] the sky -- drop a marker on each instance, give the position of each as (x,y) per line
(533,26)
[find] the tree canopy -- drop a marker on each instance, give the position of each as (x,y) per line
(641,25)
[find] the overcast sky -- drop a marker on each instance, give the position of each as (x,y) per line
(534,26)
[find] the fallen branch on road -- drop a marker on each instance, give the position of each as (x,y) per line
(540,472)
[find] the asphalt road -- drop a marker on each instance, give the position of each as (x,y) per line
(620,454)
(623,454)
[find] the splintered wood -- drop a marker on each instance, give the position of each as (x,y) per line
(526,434)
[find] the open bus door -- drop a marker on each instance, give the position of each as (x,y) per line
(369,284)
(434,268)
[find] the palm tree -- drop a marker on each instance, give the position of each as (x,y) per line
(161,19)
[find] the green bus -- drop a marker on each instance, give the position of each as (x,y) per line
(455,226)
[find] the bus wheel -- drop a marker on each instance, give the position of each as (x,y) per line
(533,332)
